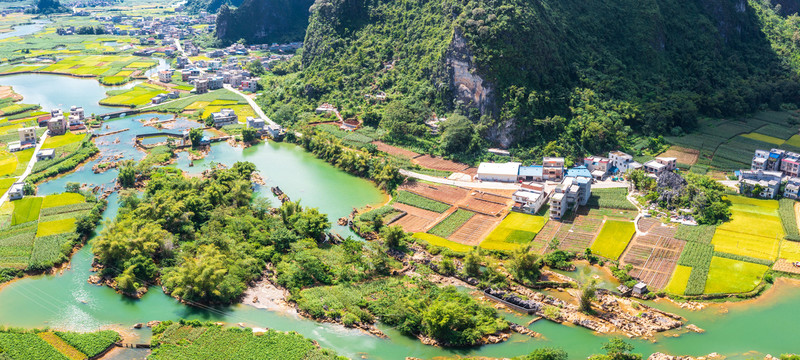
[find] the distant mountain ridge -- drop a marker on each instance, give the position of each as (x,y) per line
(211,6)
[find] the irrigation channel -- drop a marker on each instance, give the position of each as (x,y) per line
(67,301)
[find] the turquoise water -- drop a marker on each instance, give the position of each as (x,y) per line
(67,301)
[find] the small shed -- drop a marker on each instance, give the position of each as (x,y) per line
(624,290)
(45,154)
(640,288)
(17,191)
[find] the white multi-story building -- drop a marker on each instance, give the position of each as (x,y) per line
(224,117)
(623,162)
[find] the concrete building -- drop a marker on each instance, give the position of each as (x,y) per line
(165,76)
(505,172)
(57,125)
(553,168)
(255,123)
(250,85)
(529,199)
(622,162)
(201,86)
(671,163)
(579,171)
(654,167)
(45,154)
(573,191)
(274,130)
(530,173)
(597,165)
(767,160)
(792,188)
(16,191)
(215,82)
(158,99)
(790,164)
(27,135)
(769,183)
(224,117)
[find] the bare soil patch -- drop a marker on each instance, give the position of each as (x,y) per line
(394,150)
(654,257)
(786,266)
(684,155)
(474,230)
(446,194)
(439,164)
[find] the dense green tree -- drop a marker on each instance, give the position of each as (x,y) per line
(195,135)
(256,68)
(587,296)
(127,175)
(393,236)
(249,135)
(525,266)
(546,354)
(472,264)
(617,349)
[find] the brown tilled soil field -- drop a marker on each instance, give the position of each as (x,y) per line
(394,150)
(439,164)
(653,258)
(416,219)
(446,194)
(684,155)
(474,230)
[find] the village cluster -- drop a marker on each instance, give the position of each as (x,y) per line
(772,173)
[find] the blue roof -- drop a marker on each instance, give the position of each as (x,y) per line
(535,170)
(774,155)
(579,171)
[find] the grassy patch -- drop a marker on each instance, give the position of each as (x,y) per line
(64,199)
(613,239)
(740,237)
(733,276)
(62,140)
(135,96)
(451,223)
(90,344)
(680,278)
(56,227)
(700,233)
(411,199)
(440,241)
(26,210)
(516,230)
(764,138)
(790,250)
(62,347)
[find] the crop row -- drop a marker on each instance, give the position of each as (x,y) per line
(698,256)
(90,344)
(788,219)
(28,347)
(408,198)
(701,233)
(452,223)
(50,250)
(611,198)
(744,258)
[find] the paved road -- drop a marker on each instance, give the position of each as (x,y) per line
(501,185)
(252,103)
(30,165)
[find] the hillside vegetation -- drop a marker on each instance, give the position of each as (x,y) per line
(264,21)
(551,77)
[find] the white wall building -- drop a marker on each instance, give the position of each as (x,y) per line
(505,172)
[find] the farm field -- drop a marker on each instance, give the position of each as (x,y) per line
(62,140)
(613,239)
(214,342)
(733,276)
(54,345)
(451,223)
(729,144)
(408,198)
(740,237)
(56,200)
(136,96)
(655,254)
(614,198)
(442,242)
(680,278)
(106,67)
(26,210)
(517,229)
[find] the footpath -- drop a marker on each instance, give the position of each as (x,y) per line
(28,169)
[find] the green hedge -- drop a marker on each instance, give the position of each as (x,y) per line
(700,233)
(743,258)
(788,219)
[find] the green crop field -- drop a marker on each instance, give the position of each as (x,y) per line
(442,242)
(733,276)
(64,199)
(8,163)
(788,219)
(790,250)
(613,239)
(700,233)
(739,236)
(62,140)
(516,230)
(451,223)
(90,344)
(23,157)
(611,198)
(411,199)
(764,138)
(135,96)
(26,210)
(56,227)
(28,346)
(680,278)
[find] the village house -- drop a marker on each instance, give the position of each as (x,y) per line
(622,162)
(553,168)
(765,184)
(158,99)
(215,82)
(201,86)
(165,76)
(349,125)
(250,85)
(529,198)
(326,108)
(579,171)
(598,166)
(45,154)
(27,136)
(255,123)
(792,188)
(790,164)
(275,131)
(767,160)
(57,125)
(224,117)
(572,191)
(16,191)
(504,172)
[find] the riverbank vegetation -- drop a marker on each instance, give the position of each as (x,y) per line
(196,340)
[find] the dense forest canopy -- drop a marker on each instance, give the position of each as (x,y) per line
(264,21)
(550,77)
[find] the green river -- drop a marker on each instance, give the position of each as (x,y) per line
(67,301)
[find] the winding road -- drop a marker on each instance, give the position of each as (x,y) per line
(28,169)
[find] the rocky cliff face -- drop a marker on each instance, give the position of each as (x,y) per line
(264,21)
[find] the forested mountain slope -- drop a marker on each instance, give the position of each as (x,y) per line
(264,21)
(564,77)
(211,6)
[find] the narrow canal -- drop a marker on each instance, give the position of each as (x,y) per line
(67,301)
